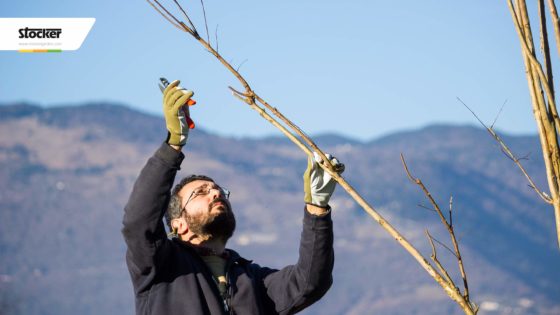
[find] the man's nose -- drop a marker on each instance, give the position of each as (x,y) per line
(215,193)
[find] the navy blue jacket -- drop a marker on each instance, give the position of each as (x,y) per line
(169,277)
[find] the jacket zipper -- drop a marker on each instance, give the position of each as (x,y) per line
(223,297)
(208,273)
(227,298)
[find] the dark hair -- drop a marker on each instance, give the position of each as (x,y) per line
(175,205)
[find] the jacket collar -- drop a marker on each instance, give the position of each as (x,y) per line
(229,254)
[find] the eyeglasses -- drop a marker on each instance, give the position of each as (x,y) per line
(205,190)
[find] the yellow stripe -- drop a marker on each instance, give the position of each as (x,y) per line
(39,50)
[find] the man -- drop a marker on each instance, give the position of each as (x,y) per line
(193,273)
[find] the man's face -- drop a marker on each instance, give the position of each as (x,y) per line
(207,211)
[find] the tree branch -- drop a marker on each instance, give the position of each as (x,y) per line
(508,153)
(165,16)
(456,251)
(193,31)
(437,262)
(498,115)
(545,50)
(205,22)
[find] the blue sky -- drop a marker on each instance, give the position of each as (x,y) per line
(358,68)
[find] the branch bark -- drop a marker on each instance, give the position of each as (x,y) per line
(546,114)
(555,23)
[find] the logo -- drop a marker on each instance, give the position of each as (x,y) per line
(39,32)
(44,34)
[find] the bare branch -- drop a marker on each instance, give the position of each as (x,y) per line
(193,31)
(525,157)
(240,93)
(418,182)
(545,50)
(508,153)
(244,61)
(205,22)
(555,22)
(526,47)
(424,207)
(472,112)
(241,98)
(456,252)
(247,99)
(548,122)
(498,115)
(437,262)
(445,246)
(165,16)
(216,35)
(451,211)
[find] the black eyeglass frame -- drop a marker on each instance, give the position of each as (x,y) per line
(196,192)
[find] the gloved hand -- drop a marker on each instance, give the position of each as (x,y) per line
(318,184)
(176,112)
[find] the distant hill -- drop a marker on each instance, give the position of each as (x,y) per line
(66,172)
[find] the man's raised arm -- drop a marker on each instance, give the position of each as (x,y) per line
(143,228)
(295,287)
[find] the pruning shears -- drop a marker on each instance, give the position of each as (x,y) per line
(162,85)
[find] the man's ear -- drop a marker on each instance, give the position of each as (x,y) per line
(180,226)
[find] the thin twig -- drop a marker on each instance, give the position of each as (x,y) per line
(165,16)
(451,211)
(167,12)
(445,246)
(525,157)
(244,61)
(205,22)
(424,207)
(240,93)
(507,155)
(437,262)
(498,115)
(193,32)
(418,182)
(508,152)
(216,35)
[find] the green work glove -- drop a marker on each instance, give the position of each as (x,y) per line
(176,112)
(318,184)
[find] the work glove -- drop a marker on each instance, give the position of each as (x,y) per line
(176,112)
(317,183)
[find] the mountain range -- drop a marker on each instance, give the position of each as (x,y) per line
(66,172)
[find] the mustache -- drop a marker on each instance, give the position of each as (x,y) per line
(215,201)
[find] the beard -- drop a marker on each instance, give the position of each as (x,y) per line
(213,225)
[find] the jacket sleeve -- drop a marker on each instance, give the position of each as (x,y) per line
(295,287)
(143,228)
